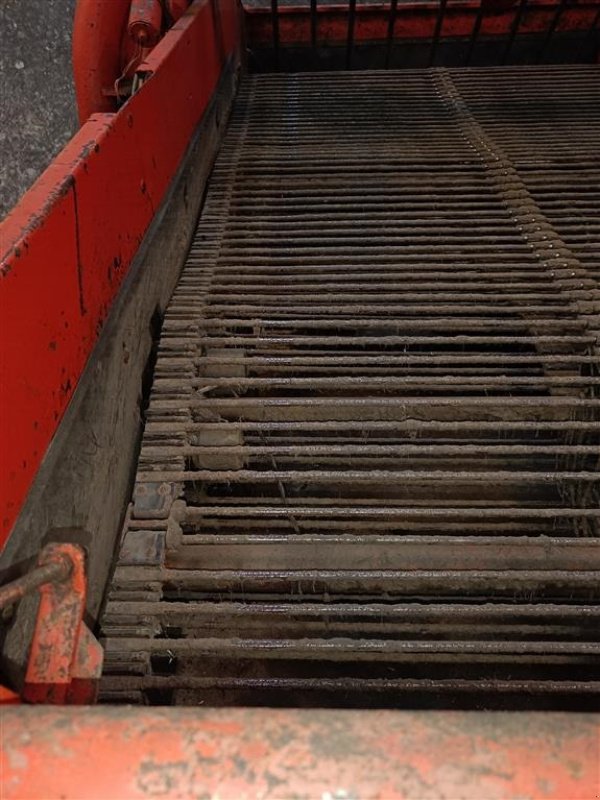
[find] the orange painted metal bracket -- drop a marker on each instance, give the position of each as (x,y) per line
(305,754)
(67,246)
(65,660)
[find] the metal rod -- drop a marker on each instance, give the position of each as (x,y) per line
(54,572)
(313,22)
(514,29)
(200,513)
(351,24)
(475,32)
(120,683)
(373,476)
(437,31)
(551,29)
(390,31)
(275,25)
(376,425)
(593,34)
(343,649)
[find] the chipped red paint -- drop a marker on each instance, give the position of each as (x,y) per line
(414,20)
(303,754)
(67,246)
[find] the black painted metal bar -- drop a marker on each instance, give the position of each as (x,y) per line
(475,32)
(437,31)
(275,24)
(551,29)
(514,29)
(351,26)
(594,33)
(390,31)
(313,22)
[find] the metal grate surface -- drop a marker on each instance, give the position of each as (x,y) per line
(369,473)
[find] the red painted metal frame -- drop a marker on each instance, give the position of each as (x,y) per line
(304,754)
(414,21)
(69,243)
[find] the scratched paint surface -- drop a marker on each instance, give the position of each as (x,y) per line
(97,753)
(69,243)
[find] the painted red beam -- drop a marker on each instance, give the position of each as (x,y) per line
(134,753)
(414,20)
(68,245)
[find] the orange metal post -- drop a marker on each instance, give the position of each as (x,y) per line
(98,30)
(145,22)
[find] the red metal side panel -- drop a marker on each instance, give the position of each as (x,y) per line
(69,244)
(125,753)
(40,353)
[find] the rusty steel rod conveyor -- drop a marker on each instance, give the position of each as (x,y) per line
(317,417)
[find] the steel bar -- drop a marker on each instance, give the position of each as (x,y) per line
(475,32)
(350,36)
(435,39)
(275,29)
(393,13)
(399,685)
(54,572)
(514,29)
(556,17)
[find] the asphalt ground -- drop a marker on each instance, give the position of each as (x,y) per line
(37,102)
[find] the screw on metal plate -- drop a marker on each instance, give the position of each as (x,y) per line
(153,500)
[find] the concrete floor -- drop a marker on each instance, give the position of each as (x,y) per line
(37,103)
